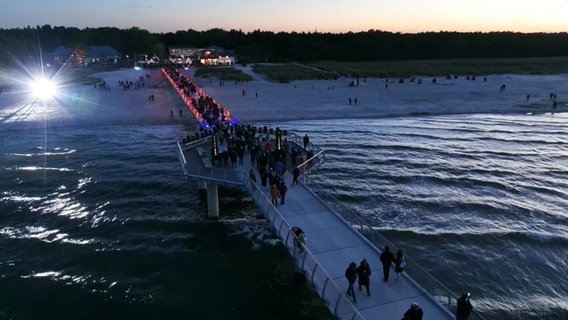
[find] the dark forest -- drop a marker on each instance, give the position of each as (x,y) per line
(266,46)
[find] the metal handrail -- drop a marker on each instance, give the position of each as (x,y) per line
(305,260)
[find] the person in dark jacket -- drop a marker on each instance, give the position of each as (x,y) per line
(387,258)
(399,264)
(413,313)
(296,174)
(464,307)
(252,178)
(364,272)
(351,275)
(282,189)
(306,141)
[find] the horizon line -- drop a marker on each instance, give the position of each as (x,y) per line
(316,31)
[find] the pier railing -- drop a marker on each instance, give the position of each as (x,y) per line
(199,172)
(419,275)
(331,293)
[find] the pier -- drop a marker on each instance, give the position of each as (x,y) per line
(335,236)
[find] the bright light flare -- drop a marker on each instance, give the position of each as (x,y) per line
(43,89)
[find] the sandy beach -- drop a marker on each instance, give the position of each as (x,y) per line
(325,99)
(86,104)
(309,99)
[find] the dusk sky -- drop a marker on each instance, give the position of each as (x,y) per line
(407,16)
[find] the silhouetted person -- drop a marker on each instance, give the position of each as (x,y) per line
(413,313)
(351,275)
(364,272)
(296,173)
(464,307)
(180,113)
(387,258)
(306,141)
(299,238)
(252,178)
(399,264)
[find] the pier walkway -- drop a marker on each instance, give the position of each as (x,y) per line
(333,241)
(335,236)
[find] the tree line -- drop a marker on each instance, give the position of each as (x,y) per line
(267,46)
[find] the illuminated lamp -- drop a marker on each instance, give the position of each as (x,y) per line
(43,89)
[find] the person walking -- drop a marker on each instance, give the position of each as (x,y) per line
(306,141)
(274,194)
(351,275)
(413,313)
(296,174)
(252,178)
(282,191)
(399,264)
(387,259)
(464,307)
(364,272)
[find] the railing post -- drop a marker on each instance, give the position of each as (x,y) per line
(336,304)
(323,289)
(280,227)
(314,272)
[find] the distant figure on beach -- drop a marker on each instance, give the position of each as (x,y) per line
(387,259)
(399,263)
(464,307)
(413,313)
(244,93)
(364,272)
(180,112)
(172,113)
(351,275)
(355,101)
(256,94)
(528,97)
(306,141)
(349,100)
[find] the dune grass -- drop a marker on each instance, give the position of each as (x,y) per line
(289,72)
(222,73)
(478,67)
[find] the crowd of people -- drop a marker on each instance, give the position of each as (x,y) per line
(211,112)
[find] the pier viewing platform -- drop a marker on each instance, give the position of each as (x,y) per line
(334,235)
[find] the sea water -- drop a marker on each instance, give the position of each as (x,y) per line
(97,222)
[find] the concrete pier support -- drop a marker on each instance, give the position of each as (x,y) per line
(212,200)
